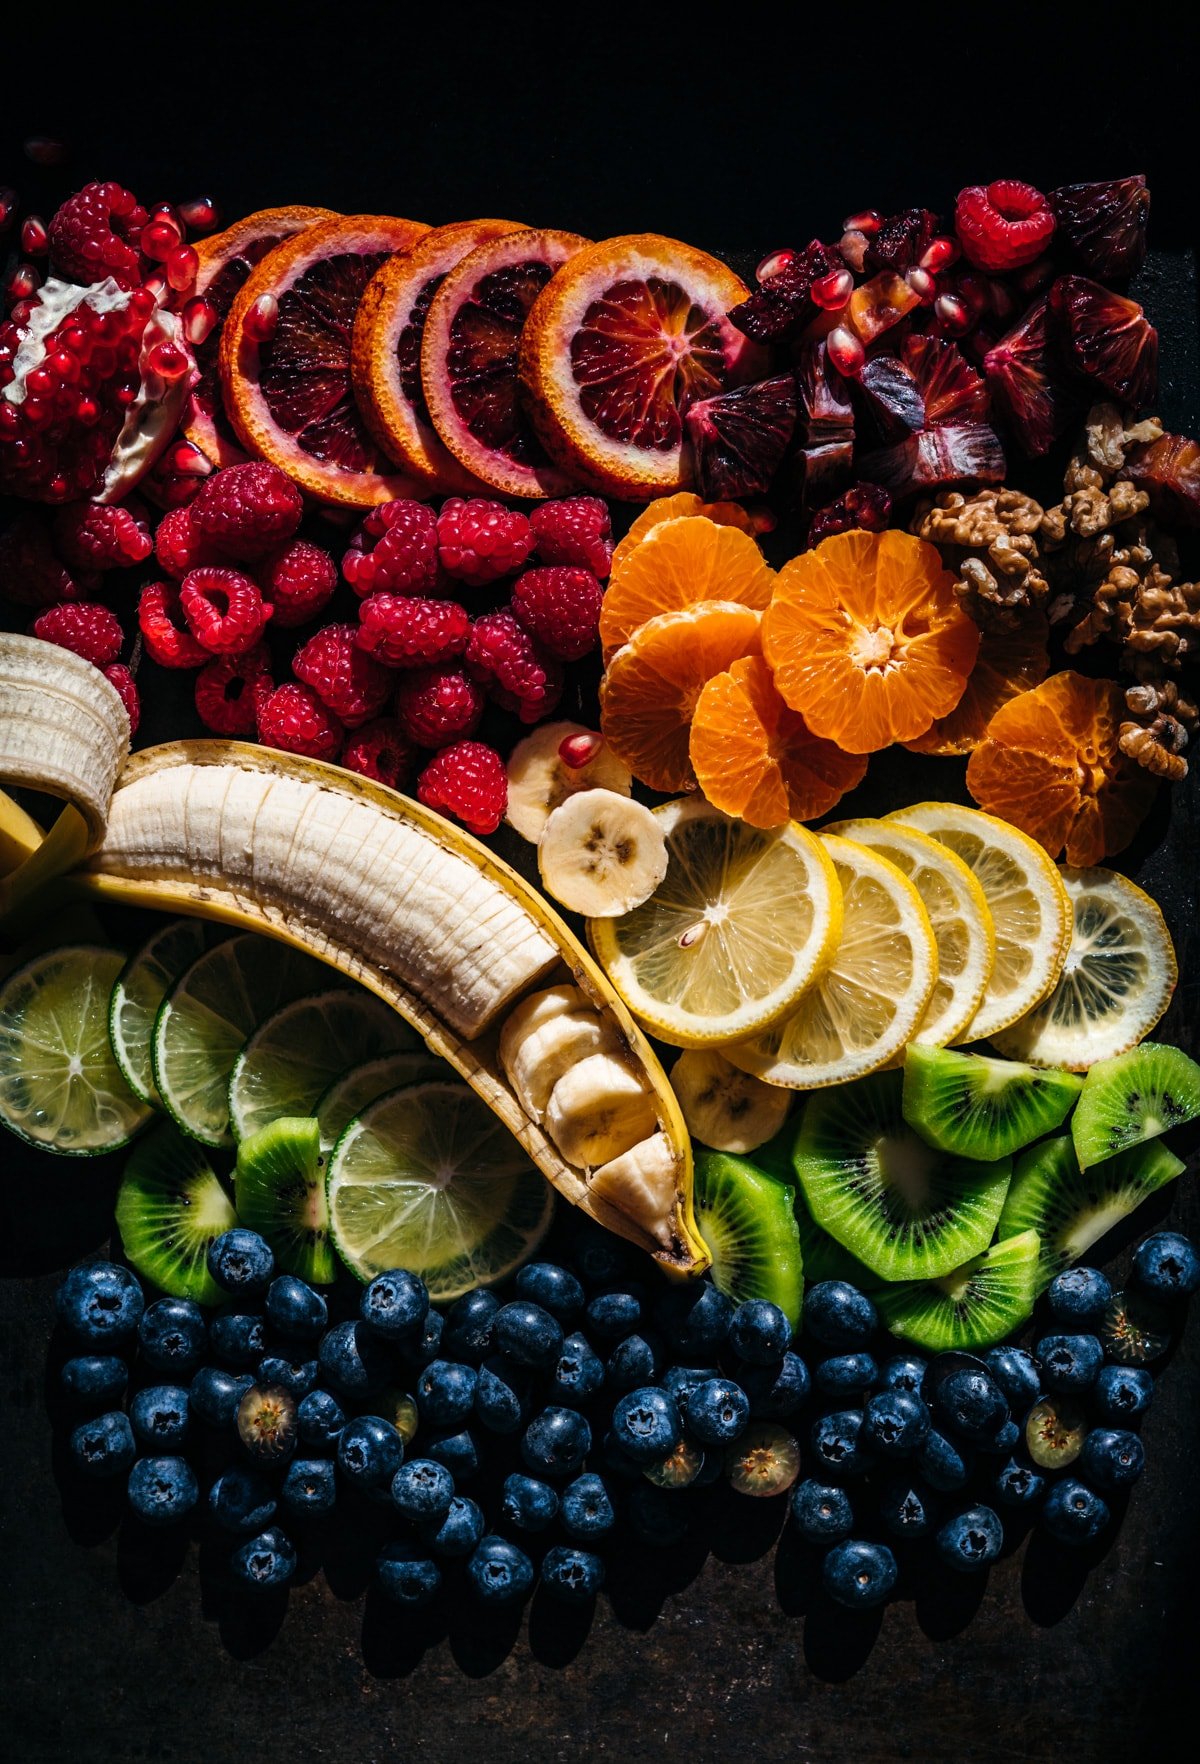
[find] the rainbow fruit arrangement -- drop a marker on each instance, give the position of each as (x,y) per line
(370,1048)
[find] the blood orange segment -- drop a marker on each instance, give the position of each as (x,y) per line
(617,348)
(1008,662)
(290,397)
(469,356)
(226,260)
(385,364)
(674,508)
(677,564)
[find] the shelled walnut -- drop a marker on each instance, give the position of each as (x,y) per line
(989,540)
(1162,720)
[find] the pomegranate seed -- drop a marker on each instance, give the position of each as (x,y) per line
(8,206)
(831,292)
(952,315)
(35,240)
(157,286)
(23,284)
(188,461)
(182,268)
(44,150)
(867,220)
(21,312)
(168,212)
(578,751)
(775,263)
(168,360)
(159,238)
(845,351)
(853,247)
(200,215)
(259,323)
(921,282)
(940,254)
(199,316)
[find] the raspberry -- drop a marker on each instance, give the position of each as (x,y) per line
(575,530)
(224,610)
(480,541)
(561,608)
(246,511)
(469,782)
(298,581)
(407,632)
(101,536)
(1003,225)
(227,690)
(96,233)
(379,750)
(119,677)
(293,719)
(164,632)
(30,573)
(179,548)
(403,558)
(518,676)
(350,684)
(438,705)
(84,627)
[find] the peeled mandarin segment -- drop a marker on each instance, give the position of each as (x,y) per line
(677,564)
(1008,663)
(674,508)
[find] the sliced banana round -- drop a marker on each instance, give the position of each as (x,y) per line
(642,1183)
(544,1056)
(601,854)
(527,1018)
(540,778)
(599,1109)
(727,1109)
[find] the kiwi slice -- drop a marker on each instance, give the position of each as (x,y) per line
(170,1207)
(747,1221)
(1133,1097)
(280,1189)
(975,1306)
(1070,1208)
(982,1108)
(823,1256)
(907,1210)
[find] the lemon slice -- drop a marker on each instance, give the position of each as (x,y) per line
(867,1006)
(958,912)
(1026,898)
(741,924)
(1118,979)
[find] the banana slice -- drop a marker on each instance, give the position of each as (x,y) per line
(539,778)
(599,1109)
(527,1018)
(642,1184)
(602,854)
(558,1045)
(730,1111)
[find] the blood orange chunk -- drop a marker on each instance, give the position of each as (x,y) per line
(643,353)
(484,334)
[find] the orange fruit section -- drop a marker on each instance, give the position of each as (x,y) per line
(867,640)
(674,508)
(755,758)
(1008,662)
(1051,765)
(649,693)
(676,565)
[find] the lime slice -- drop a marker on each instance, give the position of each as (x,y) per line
(292,1058)
(428,1179)
(141,986)
(60,1086)
(350,1094)
(170,1208)
(207,1018)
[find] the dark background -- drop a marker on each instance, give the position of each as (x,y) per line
(738,135)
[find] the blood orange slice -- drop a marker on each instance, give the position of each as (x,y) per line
(616,349)
(385,363)
(225,262)
(469,360)
(289,397)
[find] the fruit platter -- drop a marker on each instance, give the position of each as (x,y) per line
(593,854)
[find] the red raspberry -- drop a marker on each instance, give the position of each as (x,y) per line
(246,511)
(101,536)
(164,633)
(179,548)
(95,234)
(83,626)
(379,750)
(561,608)
(30,573)
(480,541)
(575,530)
(298,581)
(1003,225)
(438,705)
(407,632)
(228,688)
(293,719)
(350,684)
(394,549)
(469,782)
(518,676)
(224,610)
(118,676)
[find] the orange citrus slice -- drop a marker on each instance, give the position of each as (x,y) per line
(1008,662)
(755,758)
(650,690)
(677,564)
(674,508)
(289,396)
(867,640)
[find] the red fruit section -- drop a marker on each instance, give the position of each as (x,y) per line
(643,354)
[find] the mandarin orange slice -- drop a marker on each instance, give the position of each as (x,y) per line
(674,508)
(677,564)
(867,640)
(1008,662)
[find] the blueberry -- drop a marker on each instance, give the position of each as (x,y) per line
(395,1305)
(1112,1457)
(1070,1363)
(838,1444)
(647,1424)
(902,1372)
(502,1394)
(579,1374)
(838,1315)
(446,1393)
(266,1423)
(679,1381)
(309,1488)
(159,1415)
(1074,1513)
(894,1423)
(1167,1266)
(353,1360)
(239,1338)
(527,1334)
(172,1335)
(776,1390)
(369,1453)
(294,1309)
(680,1468)
(907,1509)
(162,1490)
(241,1500)
(499,1571)
(296,1376)
(425,1345)
(572,1574)
(422,1491)
(965,1397)
(1136,1330)
(657,1517)
(94,1380)
(944,1464)
(215,1395)
(695,1319)
(859,1575)
(468,1330)
(458,1532)
(1018,1485)
(613,1315)
(1055,1430)
(527,1503)
(319,1420)
(1018,1375)
(557,1441)
(586,1511)
(759,1332)
(457,1450)
(846,1375)
(970,1540)
(407,1574)
(100,1302)
(822,1511)
(1078,1296)
(241,1262)
(266,1561)
(1122,1393)
(635,1361)
(103,1446)
(1001,1443)
(716,1410)
(555,1289)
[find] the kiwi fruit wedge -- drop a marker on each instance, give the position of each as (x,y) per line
(747,1220)
(1133,1097)
(982,1108)
(823,1256)
(280,1188)
(975,1306)
(906,1209)
(1070,1208)
(170,1208)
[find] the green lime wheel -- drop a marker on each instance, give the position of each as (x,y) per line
(349,1095)
(141,986)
